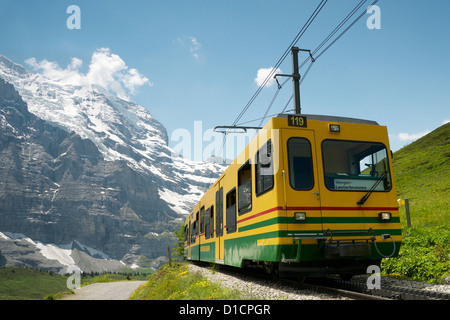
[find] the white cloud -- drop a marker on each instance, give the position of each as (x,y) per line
(262,75)
(445,121)
(412,136)
(195,47)
(53,71)
(193,44)
(106,69)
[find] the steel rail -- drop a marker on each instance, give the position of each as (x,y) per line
(354,290)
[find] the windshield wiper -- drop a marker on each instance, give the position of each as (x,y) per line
(367,195)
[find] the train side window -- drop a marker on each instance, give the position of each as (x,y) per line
(211,217)
(219,212)
(231,211)
(207,223)
(196,225)
(187,234)
(301,176)
(264,169)
(245,188)
(202,220)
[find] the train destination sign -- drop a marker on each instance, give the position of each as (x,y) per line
(297,121)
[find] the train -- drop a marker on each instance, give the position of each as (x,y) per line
(309,196)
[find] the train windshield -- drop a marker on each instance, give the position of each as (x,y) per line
(355,166)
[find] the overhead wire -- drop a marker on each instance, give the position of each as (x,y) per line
(348,28)
(336,29)
(282,58)
(314,56)
(275,68)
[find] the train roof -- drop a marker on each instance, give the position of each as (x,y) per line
(331,118)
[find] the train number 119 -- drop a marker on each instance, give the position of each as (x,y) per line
(297,121)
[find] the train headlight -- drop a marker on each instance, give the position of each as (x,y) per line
(300,216)
(384,216)
(335,128)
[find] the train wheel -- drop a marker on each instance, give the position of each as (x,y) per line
(271,268)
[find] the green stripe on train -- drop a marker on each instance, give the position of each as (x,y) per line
(246,248)
(335,220)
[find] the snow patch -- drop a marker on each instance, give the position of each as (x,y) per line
(60,253)
(175,200)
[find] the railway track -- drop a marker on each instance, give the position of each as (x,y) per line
(391,292)
(359,291)
(334,290)
(354,290)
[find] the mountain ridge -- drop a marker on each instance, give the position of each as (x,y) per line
(81,165)
(120,129)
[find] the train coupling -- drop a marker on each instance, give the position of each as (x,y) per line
(352,247)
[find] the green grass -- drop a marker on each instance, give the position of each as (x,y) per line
(87,279)
(422,174)
(29,284)
(177,283)
(32,284)
(424,255)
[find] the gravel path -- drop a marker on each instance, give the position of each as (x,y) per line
(121,290)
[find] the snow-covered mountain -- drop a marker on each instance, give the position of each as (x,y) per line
(120,129)
(81,168)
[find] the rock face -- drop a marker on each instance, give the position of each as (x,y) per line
(104,176)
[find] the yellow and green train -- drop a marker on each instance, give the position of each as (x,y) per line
(310,195)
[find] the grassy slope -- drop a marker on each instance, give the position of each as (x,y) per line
(29,284)
(422,174)
(177,283)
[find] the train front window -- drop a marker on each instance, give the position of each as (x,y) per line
(355,166)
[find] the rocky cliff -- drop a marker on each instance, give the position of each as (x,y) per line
(79,165)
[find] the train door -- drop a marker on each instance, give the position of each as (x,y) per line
(302,191)
(219,254)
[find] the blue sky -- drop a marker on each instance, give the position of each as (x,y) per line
(197,60)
